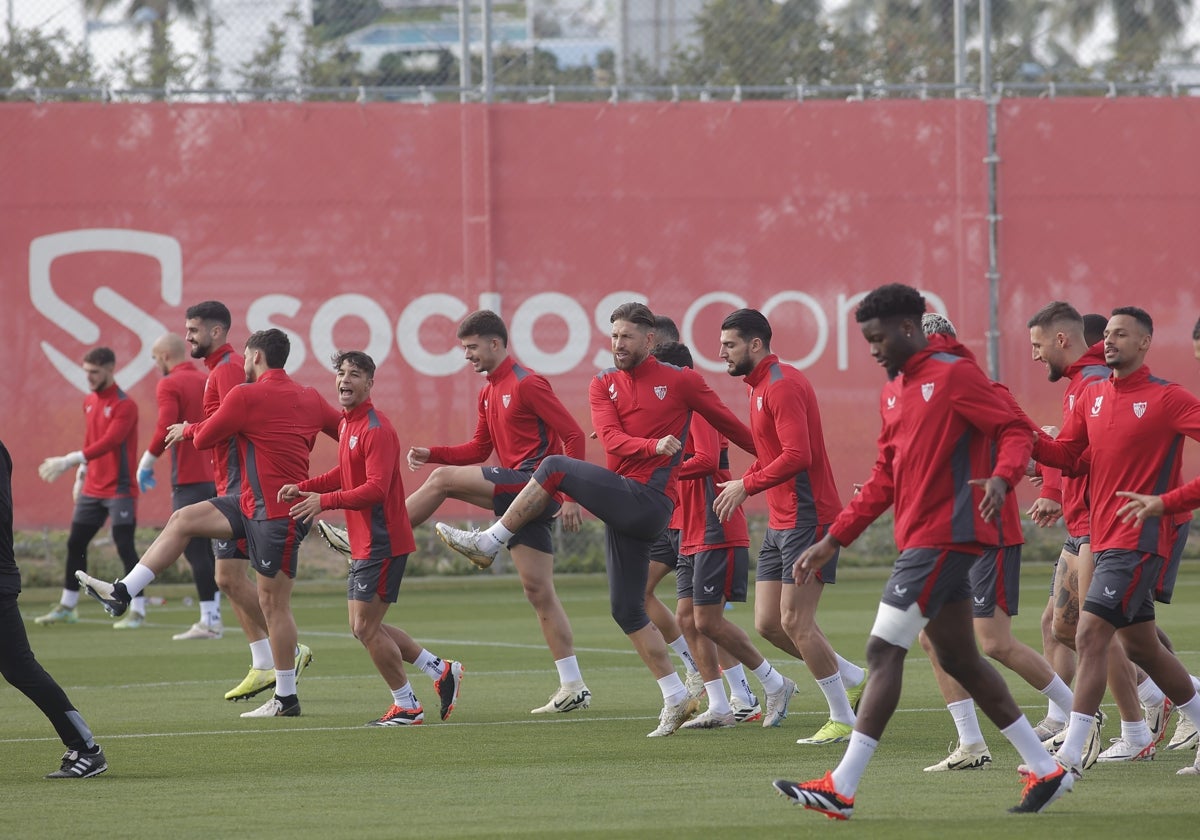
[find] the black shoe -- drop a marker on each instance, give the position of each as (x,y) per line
(1040,792)
(448,684)
(114,596)
(80,765)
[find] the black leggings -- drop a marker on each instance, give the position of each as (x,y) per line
(77,547)
(22,670)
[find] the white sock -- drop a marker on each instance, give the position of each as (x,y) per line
(1078,729)
(1021,735)
(285,682)
(1057,712)
(210,613)
(718,700)
(1060,694)
(260,655)
(1191,710)
(429,664)
(966,721)
(672,689)
(404,697)
(771,679)
(69,599)
(1195,682)
(835,696)
(568,670)
(1149,692)
(852,675)
(499,536)
(1136,732)
(138,605)
(738,687)
(680,646)
(854,763)
(138,579)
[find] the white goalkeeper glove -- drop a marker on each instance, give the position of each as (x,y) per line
(52,468)
(80,475)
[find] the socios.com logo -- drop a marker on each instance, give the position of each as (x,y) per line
(44,250)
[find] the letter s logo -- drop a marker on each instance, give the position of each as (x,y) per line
(45,249)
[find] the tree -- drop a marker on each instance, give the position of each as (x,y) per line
(165,65)
(30,59)
(334,18)
(1144,30)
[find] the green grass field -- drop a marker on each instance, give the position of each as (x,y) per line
(183,764)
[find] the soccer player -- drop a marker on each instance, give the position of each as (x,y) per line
(714,559)
(105,487)
(1059,340)
(1132,425)
(932,435)
(522,421)
(793,470)
(206,328)
(995,580)
(180,397)
(367,484)
(640,410)
(20,667)
(276,422)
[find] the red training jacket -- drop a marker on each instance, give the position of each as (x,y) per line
(367,483)
(700,529)
(633,409)
(792,465)
(935,432)
(180,397)
(276,421)
(1134,428)
(226,370)
(110,444)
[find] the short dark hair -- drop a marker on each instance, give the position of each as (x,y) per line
(100,356)
(749,324)
(634,313)
(1137,314)
(1094,325)
(1057,312)
(211,310)
(665,330)
(894,300)
(484,323)
(673,353)
(1196,331)
(357,358)
(274,344)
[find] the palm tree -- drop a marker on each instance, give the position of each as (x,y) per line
(1145,29)
(158,13)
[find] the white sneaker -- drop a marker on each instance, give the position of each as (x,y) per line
(964,757)
(568,698)
(1091,749)
(777,704)
(1157,718)
(671,718)
(200,630)
(335,537)
(466,543)
(710,720)
(1122,750)
(1186,737)
(1048,728)
(744,712)
(274,708)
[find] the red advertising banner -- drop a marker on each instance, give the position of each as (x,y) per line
(380,226)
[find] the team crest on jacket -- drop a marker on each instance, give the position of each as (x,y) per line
(1139,408)
(506,399)
(353,441)
(660,391)
(760,403)
(108,411)
(1071,402)
(927,391)
(1096,405)
(891,403)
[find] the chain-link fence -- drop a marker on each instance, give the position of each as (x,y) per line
(594,49)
